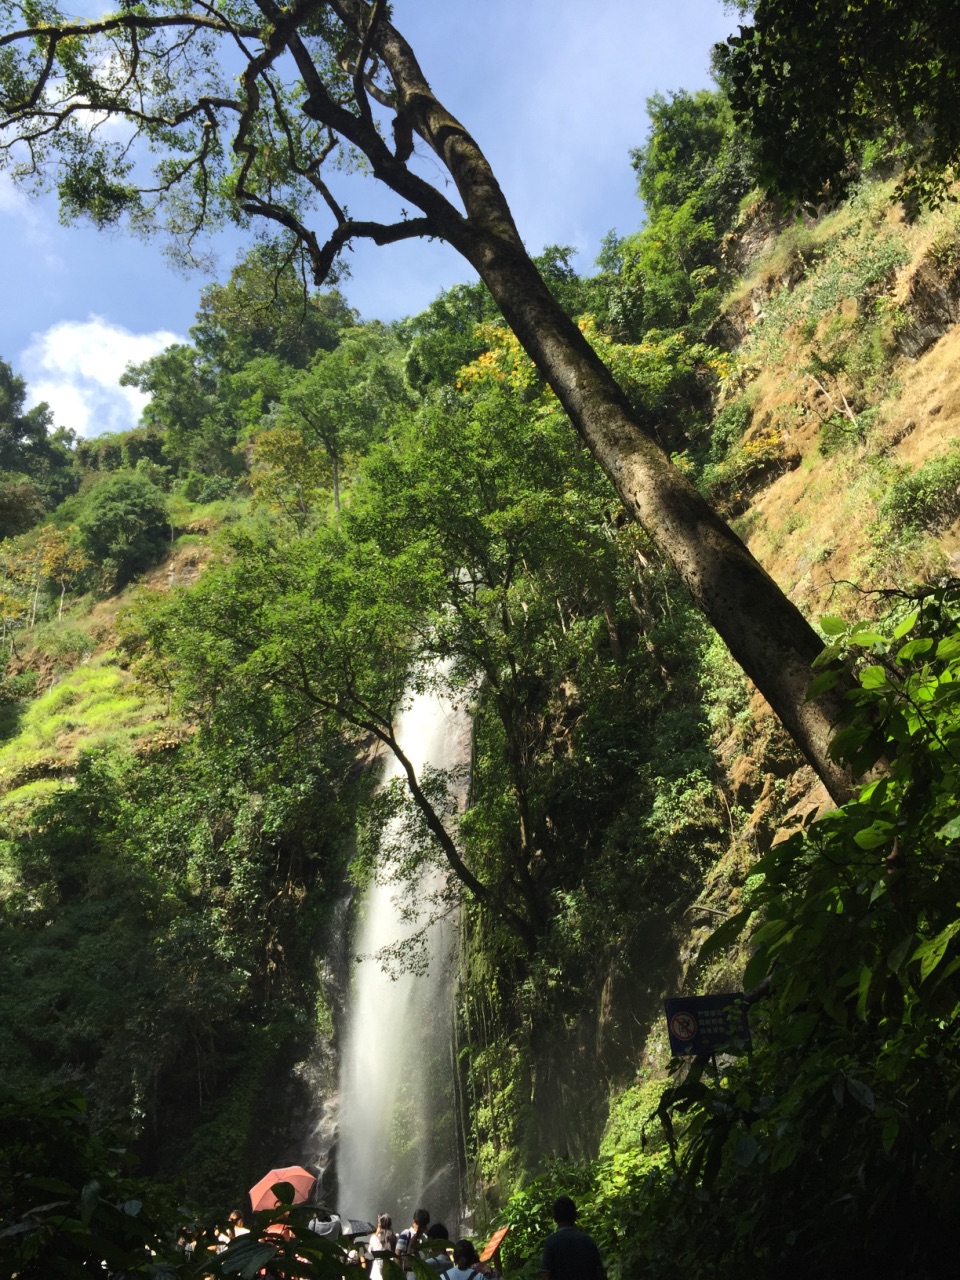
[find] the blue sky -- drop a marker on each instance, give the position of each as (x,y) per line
(554,92)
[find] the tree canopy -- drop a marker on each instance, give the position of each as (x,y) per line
(245,110)
(813,83)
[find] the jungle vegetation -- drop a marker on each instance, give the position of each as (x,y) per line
(212,621)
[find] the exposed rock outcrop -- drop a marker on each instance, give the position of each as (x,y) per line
(932,305)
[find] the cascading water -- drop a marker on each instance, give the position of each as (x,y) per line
(397,1146)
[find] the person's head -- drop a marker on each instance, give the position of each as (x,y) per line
(236,1218)
(421,1219)
(464,1254)
(438,1232)
(564,1211)
(384,1223)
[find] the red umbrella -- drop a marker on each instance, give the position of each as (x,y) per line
(262,1197)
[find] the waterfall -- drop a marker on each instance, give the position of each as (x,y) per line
(397,1146)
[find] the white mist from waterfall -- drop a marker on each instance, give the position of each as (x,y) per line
(397,1132)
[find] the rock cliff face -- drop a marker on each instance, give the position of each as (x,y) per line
(932,304)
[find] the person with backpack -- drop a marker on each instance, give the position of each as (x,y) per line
(466,1263)
(408,1241)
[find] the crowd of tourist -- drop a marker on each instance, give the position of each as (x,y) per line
(568,1253)
(429,1243)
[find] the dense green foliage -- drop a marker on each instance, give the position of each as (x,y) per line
(37,469)
(376,510)
(692,173)
(816,83)
(71,1208)
(133,959)
(68,1201)
(833,1146)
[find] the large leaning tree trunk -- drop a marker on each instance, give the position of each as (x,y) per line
(317,77)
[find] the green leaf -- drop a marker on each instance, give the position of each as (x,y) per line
(874,678)
(244,1257)
(930,953)
(89,1200)
(831,626)
(910,650)
(725,934)
(56,1185)
(872,837)
(866,637)
(747,1149)
(862,1092)
(863,991)
(950,830)
(901,629)
(899,953)
(18,1229)
(891,1127)
(757,968)
(822,683)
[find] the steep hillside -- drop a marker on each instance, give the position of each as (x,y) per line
(185,786)
(845,373)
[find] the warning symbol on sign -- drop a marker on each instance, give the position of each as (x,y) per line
(683,1026)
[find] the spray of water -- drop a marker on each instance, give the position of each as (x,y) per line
(397,1140)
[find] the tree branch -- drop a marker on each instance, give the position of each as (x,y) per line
(130,22)
(379,232)
(359,87)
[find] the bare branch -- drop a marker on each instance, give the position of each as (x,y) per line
(129,22)
(379,232)
(256,206)
(359,86)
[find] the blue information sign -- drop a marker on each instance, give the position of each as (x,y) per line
(704,1024)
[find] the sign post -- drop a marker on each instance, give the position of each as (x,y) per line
(706,1024)
(491,1250)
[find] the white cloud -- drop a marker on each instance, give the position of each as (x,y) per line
(75,366)
(15,202)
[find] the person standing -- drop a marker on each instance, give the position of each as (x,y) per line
(466,1264)
(383,1240)
(569,1253)
(409,1240)
(235,1225)
(325,1223)
(437,1258)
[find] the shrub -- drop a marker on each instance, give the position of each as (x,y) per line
(123,525)
(200,488)
(831,1148)
(729,427)
(15,687)
(928,498)
(730,482)
(840,432)
(66,645)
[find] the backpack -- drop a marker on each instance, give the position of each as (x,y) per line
(408,1240)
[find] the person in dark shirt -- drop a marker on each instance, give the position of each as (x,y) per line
(569,1254)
